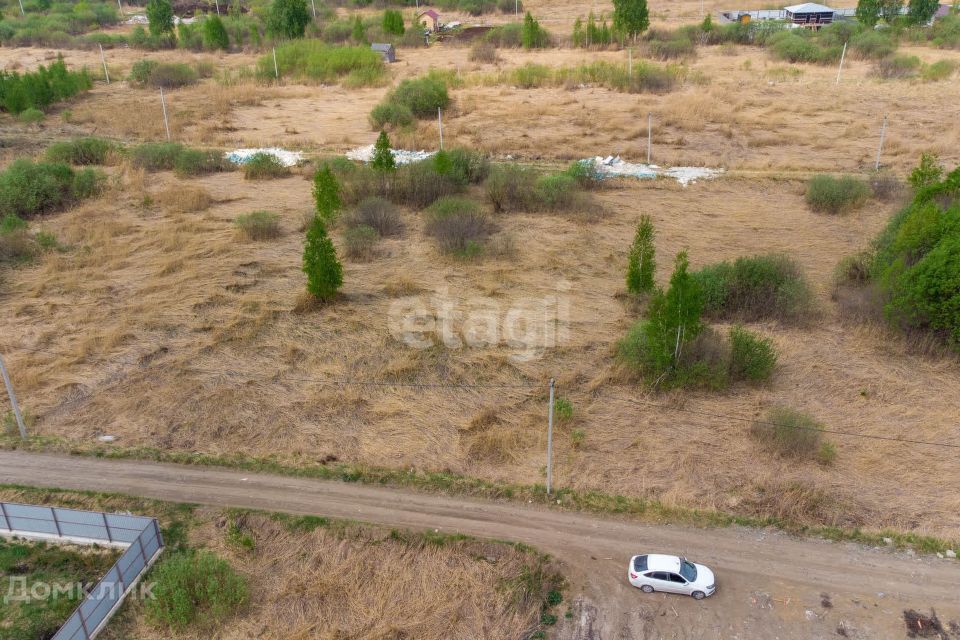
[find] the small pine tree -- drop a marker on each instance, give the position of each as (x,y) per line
(359,34)
(160,17)
(393,22)
(442,163)
(579,37)
(922,11)
(532,35)
(642,262)
(326,194)
(215,34)
(382,156)
(707,25)
(324,272)
(927,173)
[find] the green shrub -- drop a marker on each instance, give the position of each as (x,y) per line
(29,189)
(531,76)
(939,71)
(506,35)
(41,88)
(556,191)
(31,116)
(259,225)
(195,588)
(326,194)
(642,262)
(562,409)
(791,433)
(264,166)
(828,194)
(11,223)
(898,66)
(484,52)
(215,34)
(674,49)
(391,113)
(81,151)
(764,287)
(165,75)
(872,44)
(360,242)
(393,22)
(423,96)
(196,162)
(378,214)
(752,358)
(419,185)
(156,156)
(468,166)
(458,225)
(532,35)
(586,174)
(320,62)
(511,188)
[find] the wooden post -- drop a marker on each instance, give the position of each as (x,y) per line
(314,5)
(842,56)
(276,69)
(440,123)
(883,134)
(13,399)
(649,136)
(166,122)
(104,61)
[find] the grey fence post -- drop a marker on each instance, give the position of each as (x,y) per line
(83,622)
(156,529)
(56,523)
(143,553)
(6,518)
(106,525)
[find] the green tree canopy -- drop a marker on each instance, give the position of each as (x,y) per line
(359,34)
(324,272)
(673,317)
(160,17)
(288,18)
(532,35)
(868,12)
(630,17)
(641,264)
(922,11)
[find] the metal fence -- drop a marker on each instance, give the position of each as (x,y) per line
(140,535)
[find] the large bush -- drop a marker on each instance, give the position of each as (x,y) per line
(156,156)
(416,97)
(195,589)
(41,88)
(511,188)
(81,151)
(378,214)
(287,18)
(29,189)
(166,75)
(771,286)
(828,194)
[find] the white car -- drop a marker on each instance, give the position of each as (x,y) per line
(671,574)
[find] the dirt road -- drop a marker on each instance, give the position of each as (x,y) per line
(769,585)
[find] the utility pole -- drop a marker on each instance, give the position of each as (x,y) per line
(13,399)
(550,441)
(842,56)
(440,122)
(163,105)
(883,134)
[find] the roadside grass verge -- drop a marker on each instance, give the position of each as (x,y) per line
(453,484)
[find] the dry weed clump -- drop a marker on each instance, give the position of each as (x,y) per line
(183,199)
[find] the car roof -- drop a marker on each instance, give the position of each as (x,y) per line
(659,562)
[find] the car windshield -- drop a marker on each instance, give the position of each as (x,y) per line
(688,570)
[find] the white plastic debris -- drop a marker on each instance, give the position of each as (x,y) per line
(615,166)
(400,156)
(286,158)
(107,438)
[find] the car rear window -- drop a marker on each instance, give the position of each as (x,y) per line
(640,563)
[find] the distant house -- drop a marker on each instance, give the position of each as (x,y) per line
(430,19)
(810,15)
(386,51)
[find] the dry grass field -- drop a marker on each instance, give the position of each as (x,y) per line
(164,327)
(343,580)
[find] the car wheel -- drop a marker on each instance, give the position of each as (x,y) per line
(646,588)
(698,595)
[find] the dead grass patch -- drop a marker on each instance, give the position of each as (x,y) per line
(184,199)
